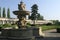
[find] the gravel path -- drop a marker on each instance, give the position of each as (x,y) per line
(51,35)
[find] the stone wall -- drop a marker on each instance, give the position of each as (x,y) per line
(22,34)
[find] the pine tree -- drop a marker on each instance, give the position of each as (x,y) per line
(0,11)
(4,15)
(8,13)
(34,12)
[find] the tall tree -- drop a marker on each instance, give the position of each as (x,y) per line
(34,12)
(8,13)
(0,11)
(4,14)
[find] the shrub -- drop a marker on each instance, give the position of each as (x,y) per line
(49,24)
(1,25)
(28,25)
(6,25)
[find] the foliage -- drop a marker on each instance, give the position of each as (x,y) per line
(0,11)
(34,11)
(8,13)
(34,14)
(14,26)
(56,22)
(39,17)
(28,25)
(1,25)
(29,17)
(4,15)
(48,24)
(7,25)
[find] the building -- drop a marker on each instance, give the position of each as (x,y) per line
(14,20)
(8,20)
(40,21)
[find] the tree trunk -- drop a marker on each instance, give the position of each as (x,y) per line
(34,22)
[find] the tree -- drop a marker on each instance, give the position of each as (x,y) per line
(8,13)
(4,15)
(39,17)
(34,12)
(56,22)
(28,16)
(0,11)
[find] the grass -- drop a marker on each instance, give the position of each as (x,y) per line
(44,27)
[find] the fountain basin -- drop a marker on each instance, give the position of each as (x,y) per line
(21,12)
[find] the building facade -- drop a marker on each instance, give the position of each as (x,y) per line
(8,20)
(14,20)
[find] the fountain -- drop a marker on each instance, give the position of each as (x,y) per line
(21,15)
(22,33)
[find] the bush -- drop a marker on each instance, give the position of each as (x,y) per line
(49,24)
(1,25)
(56,22)
(32,24)
(6,25)
(58,30)
(28,25)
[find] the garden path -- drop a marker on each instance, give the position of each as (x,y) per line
(51,35)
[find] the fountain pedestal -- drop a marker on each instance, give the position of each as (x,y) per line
(20,34)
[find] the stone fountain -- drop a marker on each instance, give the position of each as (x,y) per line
(22,33)
(21,15)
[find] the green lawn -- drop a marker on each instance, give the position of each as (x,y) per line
(44,27)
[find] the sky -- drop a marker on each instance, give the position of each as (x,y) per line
(50,9)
